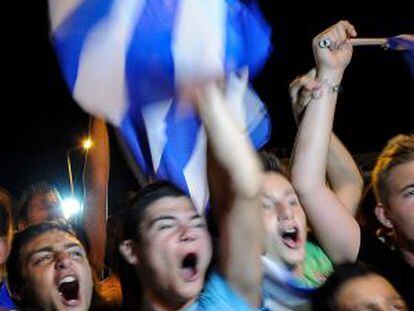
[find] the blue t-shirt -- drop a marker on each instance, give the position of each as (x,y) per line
(217,295)
(5,300)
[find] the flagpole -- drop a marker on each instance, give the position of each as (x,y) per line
(69,164)
(325,43)
(368,41)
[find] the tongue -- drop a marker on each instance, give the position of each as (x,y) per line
(188,273)
(290,241)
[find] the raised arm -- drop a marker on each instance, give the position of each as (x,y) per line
(343,174)
(96,177)
(334,226)
(236,201)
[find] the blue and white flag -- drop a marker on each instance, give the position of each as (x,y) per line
(124,60)
(404,43)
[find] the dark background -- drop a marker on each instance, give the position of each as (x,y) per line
(40,122)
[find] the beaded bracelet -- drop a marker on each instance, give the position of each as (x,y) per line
(334,88)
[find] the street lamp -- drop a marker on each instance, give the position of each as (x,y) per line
(86,145)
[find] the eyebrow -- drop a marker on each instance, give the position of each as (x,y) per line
(49,249)
(406,187)
(160,218)
(169,217)
(273,198)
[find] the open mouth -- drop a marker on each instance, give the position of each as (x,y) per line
(290,237)
(189,271)
(69,290)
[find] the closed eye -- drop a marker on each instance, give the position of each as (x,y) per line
(199,224)
(409,193)
(165,225)
(42,259)
(293,200)
(267,204)
(76,254)
(399,304)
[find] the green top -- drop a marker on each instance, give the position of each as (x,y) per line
(316,267)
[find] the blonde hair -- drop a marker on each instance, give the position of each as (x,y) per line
(399,150)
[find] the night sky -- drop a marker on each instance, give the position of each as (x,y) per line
(40,122)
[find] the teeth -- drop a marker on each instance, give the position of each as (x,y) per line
(291,230)
(67,279)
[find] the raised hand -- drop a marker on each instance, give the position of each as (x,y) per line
(302,90)
(331,48)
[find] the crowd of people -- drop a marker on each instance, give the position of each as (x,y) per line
(274,238)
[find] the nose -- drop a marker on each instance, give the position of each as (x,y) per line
(62,261)
(187,233)
(284,211)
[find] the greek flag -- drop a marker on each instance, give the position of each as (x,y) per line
(126,60)
(404,43)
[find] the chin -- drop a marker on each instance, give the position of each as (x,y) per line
(190,291)
(294,259)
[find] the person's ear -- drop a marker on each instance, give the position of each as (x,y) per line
(21,225)
(383,216)
(128,252)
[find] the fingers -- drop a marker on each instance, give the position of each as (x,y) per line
(207,94)
(230,90)
(302,91)
(236,86)
(303,86)
(336,36)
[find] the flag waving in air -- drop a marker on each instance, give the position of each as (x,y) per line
(404,43)
(126,60)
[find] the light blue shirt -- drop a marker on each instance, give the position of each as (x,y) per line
(217,295)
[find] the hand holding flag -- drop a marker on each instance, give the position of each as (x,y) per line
(403,43)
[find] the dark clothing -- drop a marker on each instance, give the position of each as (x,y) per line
(388,263)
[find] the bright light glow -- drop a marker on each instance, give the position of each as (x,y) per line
(87,144)
(70,207)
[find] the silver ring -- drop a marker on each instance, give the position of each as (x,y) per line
(325,43)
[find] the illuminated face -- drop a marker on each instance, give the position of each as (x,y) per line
(43,207)
(56,272)
(371,292)
(401,203)
(176,249)
(284,220)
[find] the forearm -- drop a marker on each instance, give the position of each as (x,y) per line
(323,208)
(232,148)
(313,137)
(344,176)
(235,178)
(96,176)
